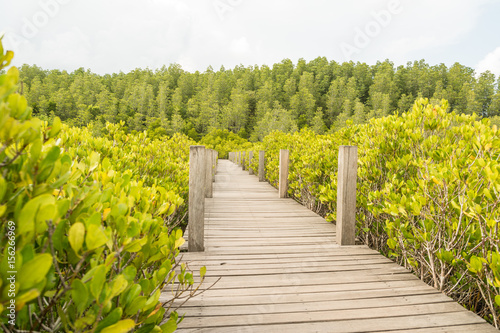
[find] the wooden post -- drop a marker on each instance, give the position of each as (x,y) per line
(283,176)
(243,161)
(238,158)
(208,173)
(196,223)
(262,176)
(346,195)
(215,154)
(250,158)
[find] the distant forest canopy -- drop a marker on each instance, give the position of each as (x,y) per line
(253,101)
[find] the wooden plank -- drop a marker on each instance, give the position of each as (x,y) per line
(384,324)
(277,306)
(365,287)
(466,328)
(319,301)
(299,279)
(270,318)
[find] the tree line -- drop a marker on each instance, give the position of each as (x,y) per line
(255,100)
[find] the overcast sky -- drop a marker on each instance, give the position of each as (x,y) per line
(119,35)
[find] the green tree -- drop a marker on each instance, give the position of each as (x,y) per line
(278,119)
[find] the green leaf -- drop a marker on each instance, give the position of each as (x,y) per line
(94,160)
(59,235)
(132,294)
(475,265)
(95,237)
(152,300)
(34,271)
(497,300)
(170,326)
(80,295)
(26,221)
(392,243)
(148,328)
(136,245)
(56,127)
(136,306)
(123,326)
(179,242)
(97,282)
(76,235)
(118,285)
(3,187)
(30,295)
(203,271)
(130,273)
(51,156)
(112,318)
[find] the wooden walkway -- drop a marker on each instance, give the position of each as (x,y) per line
(282,271)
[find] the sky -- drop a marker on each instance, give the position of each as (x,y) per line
(109,36)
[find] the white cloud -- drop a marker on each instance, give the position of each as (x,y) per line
(240,46)
(113,35)
(491,62)
(422,27)
(66,49)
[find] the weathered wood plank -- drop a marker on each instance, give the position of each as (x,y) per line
(385,324)
(389,312)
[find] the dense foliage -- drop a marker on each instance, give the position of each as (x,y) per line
(224,141)
(428,194)
(87,242)
(254,101)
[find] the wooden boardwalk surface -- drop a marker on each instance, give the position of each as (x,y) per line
(282,271)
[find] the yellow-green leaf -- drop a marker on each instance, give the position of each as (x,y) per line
(95,237)
(123,326)
(34,271)
(76,236)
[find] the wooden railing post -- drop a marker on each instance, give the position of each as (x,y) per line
(346,195)
(197,176)
(238,158)
(243,160)
(215,157)
(262,156)
(209,156)
(283,176)
(250,157)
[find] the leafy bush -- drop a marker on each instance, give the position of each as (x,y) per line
(87,243)
(224,142)
(427,195)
